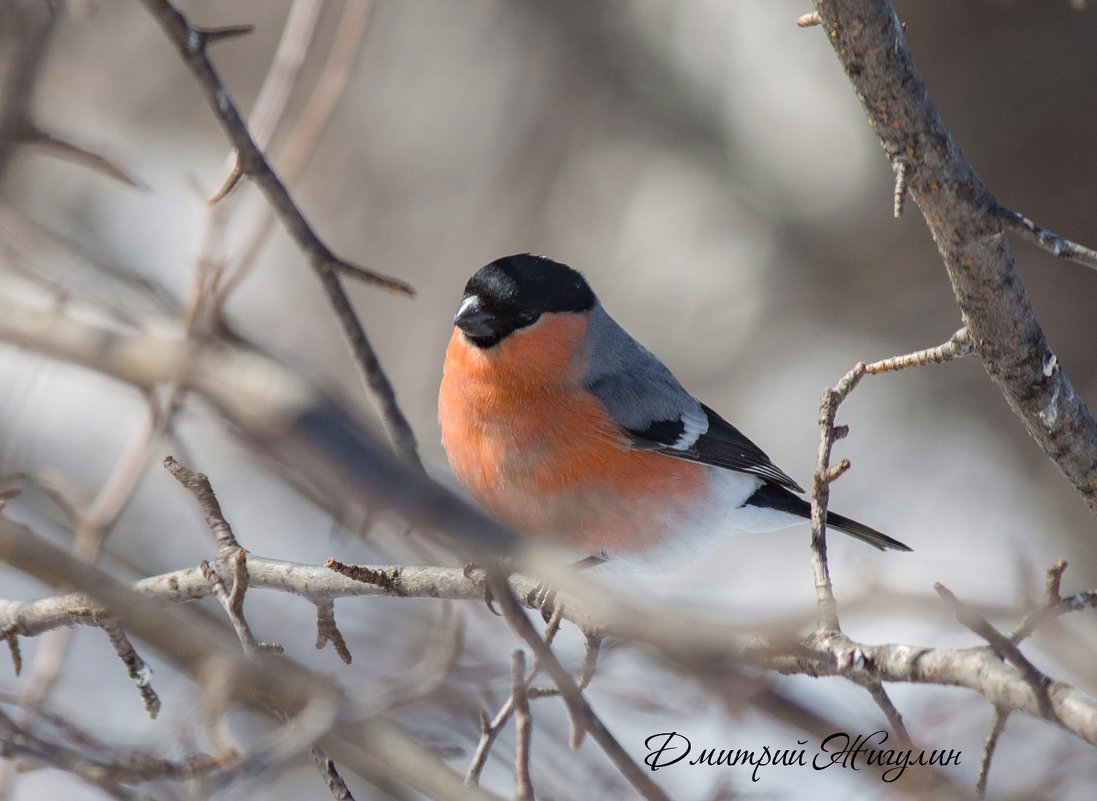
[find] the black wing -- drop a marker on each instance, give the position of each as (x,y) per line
(720,445)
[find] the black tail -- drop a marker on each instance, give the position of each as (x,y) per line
(770,496)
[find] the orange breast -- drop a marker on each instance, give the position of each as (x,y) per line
(544,456)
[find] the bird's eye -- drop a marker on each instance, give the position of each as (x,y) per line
(527,316)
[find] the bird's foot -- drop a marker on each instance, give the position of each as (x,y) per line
(478,576)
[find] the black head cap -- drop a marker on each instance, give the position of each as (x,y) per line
(513,292)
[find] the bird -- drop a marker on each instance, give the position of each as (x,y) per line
(568,430)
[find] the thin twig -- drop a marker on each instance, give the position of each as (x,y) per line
(233,603)
(327,631)
(997,726)
(958,345)
(301,141)
(200,487)
(13,646)
(138,670)
(34,26)
(573,697)
(1047,240)
(1053,604)
(590,659)
(328,772)
(523,728)
(489,730)
(883,700)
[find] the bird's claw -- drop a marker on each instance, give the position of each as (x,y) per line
(543,598)
(481,581)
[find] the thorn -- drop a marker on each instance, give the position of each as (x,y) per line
(209,36)
(230,182)
(370,277)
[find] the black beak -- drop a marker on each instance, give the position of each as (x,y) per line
(474,320)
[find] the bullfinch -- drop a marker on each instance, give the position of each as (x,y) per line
(567,429)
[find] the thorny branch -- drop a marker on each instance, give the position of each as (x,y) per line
(192,43)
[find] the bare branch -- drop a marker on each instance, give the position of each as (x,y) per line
(194,645)
(136,666)
(1053,604)
(280,80)
(13,647)
(958,346)
(79,753)
(35,23)
(883,700)
(997,726)
(327,631)
(523,726)
(573,697)
(233,603)
(969,230)
(200,487)
(1048,240)
(328,772)
(699,646)
(590,659)
(301,140)
(62,148)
